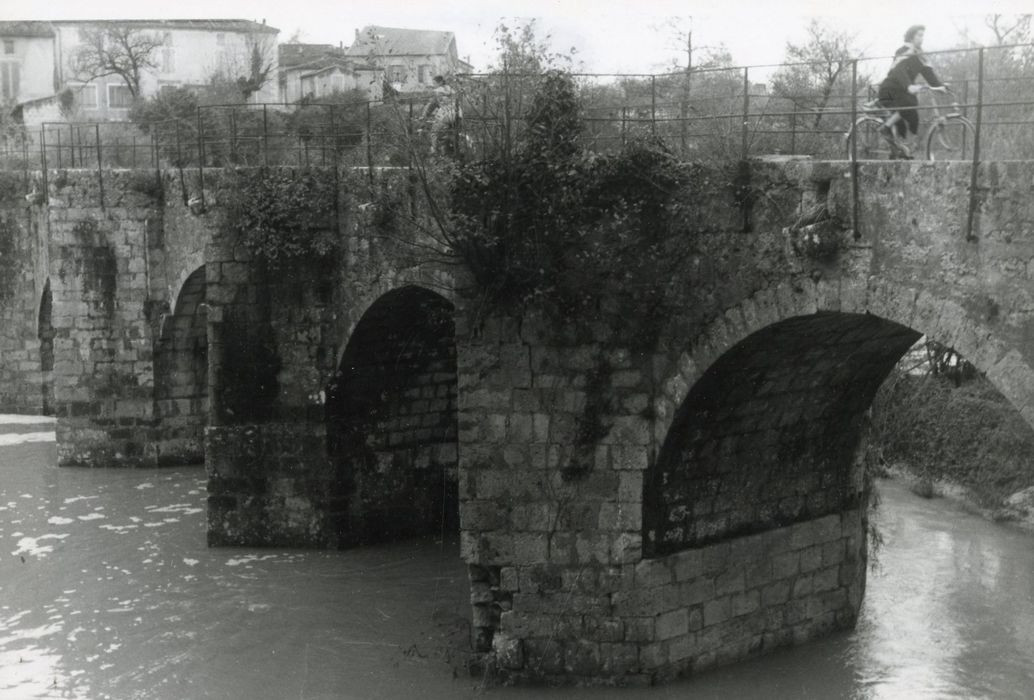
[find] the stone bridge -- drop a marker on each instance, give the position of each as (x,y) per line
(718,512)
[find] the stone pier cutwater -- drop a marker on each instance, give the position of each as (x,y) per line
(719,511)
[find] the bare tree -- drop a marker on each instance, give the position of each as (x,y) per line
(1012,28)
(248,69)
(680,39)
(115,50)
(820,63)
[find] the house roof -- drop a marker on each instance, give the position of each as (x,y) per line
(215,25)
(344,63)
(26,29)
(331,62)
(385,41)
(292,55)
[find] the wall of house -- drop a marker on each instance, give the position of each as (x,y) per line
(441,64)
(295,87)
(35,57)
(191,58)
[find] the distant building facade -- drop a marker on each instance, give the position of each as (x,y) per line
(38,64)
(410,58)
(317,71)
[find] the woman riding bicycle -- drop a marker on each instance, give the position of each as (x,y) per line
(897,93)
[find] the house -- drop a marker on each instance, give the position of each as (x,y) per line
(41,64)
(315,71)
(410,58)
(26,44)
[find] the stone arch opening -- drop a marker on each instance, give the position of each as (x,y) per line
(181,376)
(767,436)
(45,334)
(392,421)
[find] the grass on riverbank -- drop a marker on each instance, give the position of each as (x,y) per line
(969,435)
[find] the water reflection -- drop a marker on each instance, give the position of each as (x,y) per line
(108,591)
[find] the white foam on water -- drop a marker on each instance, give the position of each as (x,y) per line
(31,545)
(20,438)
(13,419)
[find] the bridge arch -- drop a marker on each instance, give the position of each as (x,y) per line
(755,505)
(391,419)
(942,320)
(181,375)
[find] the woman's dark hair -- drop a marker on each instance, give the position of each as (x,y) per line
(913,30)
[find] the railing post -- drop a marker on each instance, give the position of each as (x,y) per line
(43,161)
(58,150)
(265,136)
(100,173)
(369,143)
(746,112)
(157,161)
(333,140)
(973,197)
(965,113)
(71,147)
(233,135)
(25,160)
(653,105)
(624,118)
(201,157)
(854,151)
(409,138)
(793,130)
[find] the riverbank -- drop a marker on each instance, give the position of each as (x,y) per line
(1017,509)
(962,441)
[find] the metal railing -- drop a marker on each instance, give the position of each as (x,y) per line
(706,114)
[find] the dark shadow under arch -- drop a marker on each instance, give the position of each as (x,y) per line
(181,376)
(392,422)
(45,334)
(767,436)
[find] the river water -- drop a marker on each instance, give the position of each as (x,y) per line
(107,590)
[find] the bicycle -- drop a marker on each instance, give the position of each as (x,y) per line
(946,133)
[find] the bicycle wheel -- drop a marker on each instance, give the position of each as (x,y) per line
(949,138)
(870,144)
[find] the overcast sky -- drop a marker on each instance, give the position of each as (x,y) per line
(610,35)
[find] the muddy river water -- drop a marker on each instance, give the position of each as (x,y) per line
(107,590)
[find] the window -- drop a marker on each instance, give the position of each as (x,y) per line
(168,60)
(10,79)
(119,97)
(8,46)
(425,73)
(337,82)
(396,73)
(220,39)
(86,96)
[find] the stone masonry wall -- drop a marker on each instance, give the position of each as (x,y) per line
(561,430)
(23,275)
(276,340)
(99,235)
